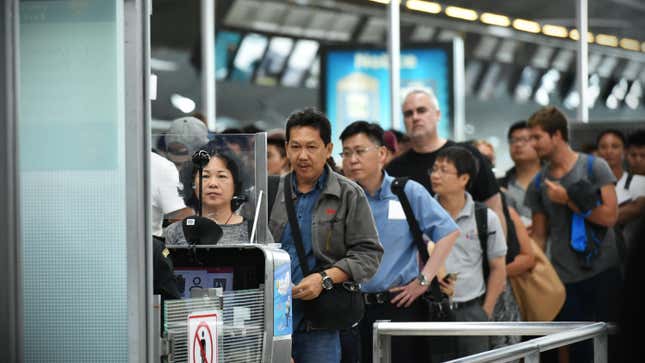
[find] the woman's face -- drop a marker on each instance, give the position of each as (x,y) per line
(275,162)
(611,148)
(218,185)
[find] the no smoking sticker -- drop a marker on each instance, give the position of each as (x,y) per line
(202,337)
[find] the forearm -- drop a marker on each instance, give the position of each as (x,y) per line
(439,254)
(494,288)
(337,275)
(520,264)
(631,210)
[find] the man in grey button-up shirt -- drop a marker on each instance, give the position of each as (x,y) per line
(338,231)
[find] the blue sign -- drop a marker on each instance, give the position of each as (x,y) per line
(282,306)
(356,85)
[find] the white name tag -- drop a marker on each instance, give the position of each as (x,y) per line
(395,210)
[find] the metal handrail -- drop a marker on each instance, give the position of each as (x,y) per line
(558,334)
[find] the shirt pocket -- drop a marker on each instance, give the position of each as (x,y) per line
(332,236)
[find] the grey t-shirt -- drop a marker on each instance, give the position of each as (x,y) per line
(231,234)
(565,261)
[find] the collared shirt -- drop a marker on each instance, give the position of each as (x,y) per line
(465,258)
(304,208)
(400,264)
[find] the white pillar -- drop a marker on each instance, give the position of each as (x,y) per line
(208,61)
(394,57)
(582,59)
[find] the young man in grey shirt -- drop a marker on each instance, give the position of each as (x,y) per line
(590,289)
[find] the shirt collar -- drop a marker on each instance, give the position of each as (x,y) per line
(320,183)
(468,208)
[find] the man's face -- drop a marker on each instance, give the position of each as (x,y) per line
(445,179)
(636,159)
(363,160)
(542,142)
(307,153)
(520,146)
(420,116)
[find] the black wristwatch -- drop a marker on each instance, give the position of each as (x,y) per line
(423,280)
(327,282)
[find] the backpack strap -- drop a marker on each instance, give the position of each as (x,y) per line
(590,160)
(481,218)
(628,181)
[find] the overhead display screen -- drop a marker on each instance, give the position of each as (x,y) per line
(355,84)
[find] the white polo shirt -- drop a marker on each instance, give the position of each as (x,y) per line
(636,190)
(465,258)
(164,191)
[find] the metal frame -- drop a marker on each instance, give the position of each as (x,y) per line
(137,150)
(11,332)
(557,334)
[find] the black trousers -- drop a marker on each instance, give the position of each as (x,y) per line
(404,349)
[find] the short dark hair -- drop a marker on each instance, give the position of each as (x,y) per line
(189,170)
(311,118)
(518,125)
(619,134)
(400,136)
(463,160)
(636,138)
(373,131)
(550,119)
(278,142)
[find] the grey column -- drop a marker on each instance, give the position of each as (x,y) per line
(137,145)
(208,61)
(582,59)
(11,330)
(394,57)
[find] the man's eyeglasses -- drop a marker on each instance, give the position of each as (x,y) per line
(359,151)
(517,140)
(441,171)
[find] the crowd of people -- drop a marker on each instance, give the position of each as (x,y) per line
(351,225)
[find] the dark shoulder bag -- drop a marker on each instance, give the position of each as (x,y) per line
(438,302)
(342,307)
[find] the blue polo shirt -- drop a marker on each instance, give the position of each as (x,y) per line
(400,263)
(304,209)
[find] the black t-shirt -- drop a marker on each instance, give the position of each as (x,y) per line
(416,166)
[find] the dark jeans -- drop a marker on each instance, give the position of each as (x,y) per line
(404,349)
(594,299)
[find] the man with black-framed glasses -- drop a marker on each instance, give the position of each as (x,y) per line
(394,292)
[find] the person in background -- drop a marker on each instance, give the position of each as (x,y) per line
(403,142)
(337,229)
(475,298)
(167,204)
(636,152)
(277,162)
(394,292)
(630,188)
(184,136)
(486,149)
(391,146)
(526,166)
(421,115)
(590,290)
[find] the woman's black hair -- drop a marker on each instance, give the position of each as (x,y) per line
(189,170)
(619,134)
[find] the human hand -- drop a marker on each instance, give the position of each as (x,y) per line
(309,288)
(407,293)
(447,284)
(556,192)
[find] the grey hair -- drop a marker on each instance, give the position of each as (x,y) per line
(425,91)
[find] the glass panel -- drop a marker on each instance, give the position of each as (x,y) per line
(243,159)
(301,59)
(72,175)
(225,47)
(248,56)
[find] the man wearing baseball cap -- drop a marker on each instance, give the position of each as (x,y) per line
(184,136)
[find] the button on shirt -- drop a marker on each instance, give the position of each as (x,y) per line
(304,208)
(400,264)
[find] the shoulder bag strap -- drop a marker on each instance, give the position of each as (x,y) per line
(295,228)
(628,181)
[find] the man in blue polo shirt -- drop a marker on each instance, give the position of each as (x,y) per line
(393,292)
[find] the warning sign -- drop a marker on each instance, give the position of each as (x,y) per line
(202,337)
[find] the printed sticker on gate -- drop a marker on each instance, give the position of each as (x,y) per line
(202,336)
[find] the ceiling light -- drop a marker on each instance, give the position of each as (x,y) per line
(607,40)
(555,31)
(461,13)
(495,19)
(573,34)
(425,6)
(381,1)
(526,25)
(184,104)
(630,44)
